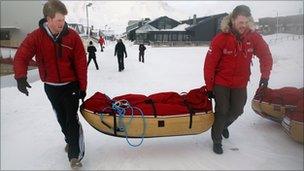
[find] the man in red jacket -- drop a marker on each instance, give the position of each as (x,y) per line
(227,69)
(101,41)
(62,65)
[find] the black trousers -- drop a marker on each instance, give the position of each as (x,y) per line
(65,102)
(94,59)
(120,59)
(229,105)
(101,47)
(141,57)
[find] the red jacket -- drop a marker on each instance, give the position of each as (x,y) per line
(101,41)
(59,61)
(228,60)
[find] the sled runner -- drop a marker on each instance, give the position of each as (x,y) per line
(274,104)
(158,115)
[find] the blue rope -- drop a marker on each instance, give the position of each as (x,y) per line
(120,108)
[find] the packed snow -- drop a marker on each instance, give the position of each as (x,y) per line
(31,138)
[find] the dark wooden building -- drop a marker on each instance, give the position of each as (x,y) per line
(205,28)
(162,29)
(133,26)
(165,30)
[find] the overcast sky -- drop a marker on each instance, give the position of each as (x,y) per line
(116,14)
(259,8)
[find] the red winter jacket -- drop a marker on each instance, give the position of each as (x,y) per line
(228,60)
(101,41)
(59,61)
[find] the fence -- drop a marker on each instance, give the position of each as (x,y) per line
(179,43)
(279,39)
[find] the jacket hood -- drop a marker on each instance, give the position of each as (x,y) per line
(226,24)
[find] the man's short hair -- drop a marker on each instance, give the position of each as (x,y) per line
(52,7)
(241,10)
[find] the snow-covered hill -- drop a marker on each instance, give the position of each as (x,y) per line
(116,14)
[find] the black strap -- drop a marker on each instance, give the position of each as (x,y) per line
(114,120)
(103,122)
(191,111)
(150,101)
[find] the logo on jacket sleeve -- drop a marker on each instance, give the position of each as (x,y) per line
(227,52)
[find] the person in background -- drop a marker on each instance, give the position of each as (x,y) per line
(142,49)
(92,49)
(227,69)
(62,65)
(101,41)
(120,50)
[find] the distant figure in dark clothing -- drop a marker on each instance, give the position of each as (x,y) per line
(142,49)
(120,50)
(92,49)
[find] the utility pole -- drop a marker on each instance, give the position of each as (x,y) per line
(87,13)
(277,24)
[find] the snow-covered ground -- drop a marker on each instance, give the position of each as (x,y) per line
(31,138)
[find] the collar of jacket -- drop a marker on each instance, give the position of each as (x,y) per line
(57,39)
(226,24)
(239,37)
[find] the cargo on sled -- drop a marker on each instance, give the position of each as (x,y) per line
(158,115)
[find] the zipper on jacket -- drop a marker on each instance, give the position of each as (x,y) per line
(57,65)
(236,60)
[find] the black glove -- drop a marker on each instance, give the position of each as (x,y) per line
(210,95)
(82,94)
(263,83)
(22,84)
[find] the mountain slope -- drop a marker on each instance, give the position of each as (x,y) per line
(116,14)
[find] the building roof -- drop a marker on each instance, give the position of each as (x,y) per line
(181,27)
(146,28)
(200,19)
(206,20)
(158,18)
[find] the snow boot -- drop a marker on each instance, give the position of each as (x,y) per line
(217,148)
(75,163)
(225,133)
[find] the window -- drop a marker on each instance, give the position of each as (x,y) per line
(5,35)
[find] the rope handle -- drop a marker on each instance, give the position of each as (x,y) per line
(120,107)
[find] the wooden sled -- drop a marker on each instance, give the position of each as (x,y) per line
(271,111)
(158,115)
(289,111)
(150,126)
